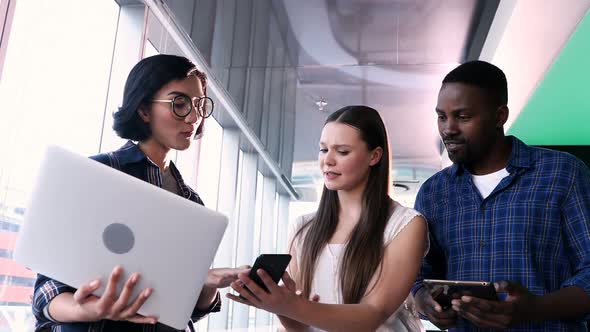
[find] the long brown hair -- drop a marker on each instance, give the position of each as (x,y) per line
(364,250)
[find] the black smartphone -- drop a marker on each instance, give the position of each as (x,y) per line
(273,264)
(444,291)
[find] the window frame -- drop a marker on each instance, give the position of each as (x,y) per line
(6,17)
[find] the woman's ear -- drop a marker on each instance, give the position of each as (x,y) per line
(376,155)
(144,114)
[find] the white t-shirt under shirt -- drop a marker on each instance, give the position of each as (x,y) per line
(487,183)
(326,279)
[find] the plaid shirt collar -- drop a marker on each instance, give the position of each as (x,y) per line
(131,153)
(521,158)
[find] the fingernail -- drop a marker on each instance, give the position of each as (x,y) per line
(94,283)
(134,278)
(148,292)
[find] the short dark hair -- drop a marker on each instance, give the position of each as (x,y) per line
(145,79)
(483,75)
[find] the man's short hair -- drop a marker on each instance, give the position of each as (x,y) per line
(483,75)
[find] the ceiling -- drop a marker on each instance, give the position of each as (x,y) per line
(390,55)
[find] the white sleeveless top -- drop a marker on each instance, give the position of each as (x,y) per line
(326,279)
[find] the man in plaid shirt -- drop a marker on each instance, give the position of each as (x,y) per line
(504,212)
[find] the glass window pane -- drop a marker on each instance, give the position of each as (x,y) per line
(53,91)
(258,214)
(149,49)
(209,163)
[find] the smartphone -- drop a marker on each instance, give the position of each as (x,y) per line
(273,264)
(444,291)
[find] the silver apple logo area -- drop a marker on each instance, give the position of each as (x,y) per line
(118,238)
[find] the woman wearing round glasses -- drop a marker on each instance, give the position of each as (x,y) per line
(165,105)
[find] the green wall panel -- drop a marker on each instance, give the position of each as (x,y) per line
(558,112)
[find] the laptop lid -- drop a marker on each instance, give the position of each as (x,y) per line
(84,218)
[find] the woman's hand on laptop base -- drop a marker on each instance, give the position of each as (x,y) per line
(111,305)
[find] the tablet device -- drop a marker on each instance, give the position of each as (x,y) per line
(444,291)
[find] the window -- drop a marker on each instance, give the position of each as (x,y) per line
(6,15)
(53,91)
(149,49)
(209,163)
(67,96)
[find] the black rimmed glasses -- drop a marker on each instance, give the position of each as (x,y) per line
(183,105)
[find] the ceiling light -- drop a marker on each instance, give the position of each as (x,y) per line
(321,104)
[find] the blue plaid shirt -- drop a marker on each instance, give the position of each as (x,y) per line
(130,160)
(534,228)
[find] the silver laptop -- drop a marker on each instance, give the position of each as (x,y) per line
(84,218)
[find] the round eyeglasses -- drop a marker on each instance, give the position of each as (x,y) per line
(183,105)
